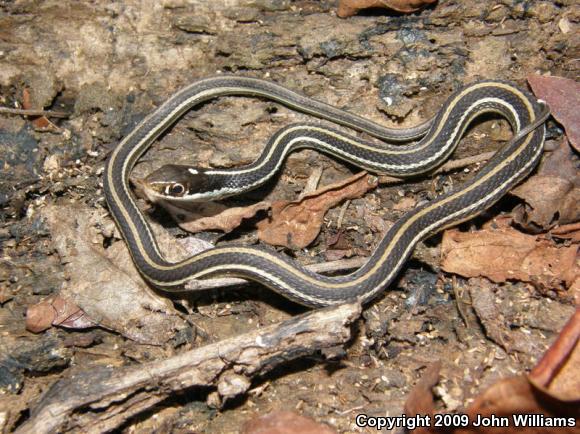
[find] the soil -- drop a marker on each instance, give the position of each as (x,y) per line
(108,64)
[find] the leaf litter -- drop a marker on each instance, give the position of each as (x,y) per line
(504,254)
(551,390)
(104,283)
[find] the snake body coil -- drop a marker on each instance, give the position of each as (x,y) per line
(508,166)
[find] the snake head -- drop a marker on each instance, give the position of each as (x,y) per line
(176,183)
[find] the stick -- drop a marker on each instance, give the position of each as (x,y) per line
(100,400)
(33,112)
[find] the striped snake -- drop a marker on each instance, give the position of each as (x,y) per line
(440,136)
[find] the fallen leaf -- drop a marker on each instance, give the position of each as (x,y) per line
(227,220)
(506,254)
(338,241)
(285,422)
(347,8)
(336,254)
(552,197)
(420,400)
(56,311)
(296,224)
(563,97)
(516,399)
(558,373)
(551,390)
(100,285)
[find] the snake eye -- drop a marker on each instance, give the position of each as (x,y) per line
(176,190)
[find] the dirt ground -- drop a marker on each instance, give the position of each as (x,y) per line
(108,64)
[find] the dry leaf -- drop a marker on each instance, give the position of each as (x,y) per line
(296,224)
(558,373)
(507,254)
(56,311)
(114,298)
(420,399)
(516,399)
(552,390)
(553,195)
(563,97)
(285,422)
(347,8)
(227,220)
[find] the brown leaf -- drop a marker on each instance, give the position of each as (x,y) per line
(558,373)
(497,327)
(514,398)
(483,302)
(552,390)
(563,97)
(347,8)
(285,422)
(56,311)
(420,399)
(507,254)
(227,220)
(296,224)
(39,317)
(553,195)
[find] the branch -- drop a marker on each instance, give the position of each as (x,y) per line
(100,400)
(33,112)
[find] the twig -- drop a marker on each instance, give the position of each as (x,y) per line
(324,267)
(312,182)
(447,167)
(565,229)
(100,400)
(463,162)
(343,209)
(33,112)
(459,300)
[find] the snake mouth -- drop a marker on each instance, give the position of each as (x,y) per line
(146,190)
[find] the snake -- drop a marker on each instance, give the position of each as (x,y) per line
(427,146)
